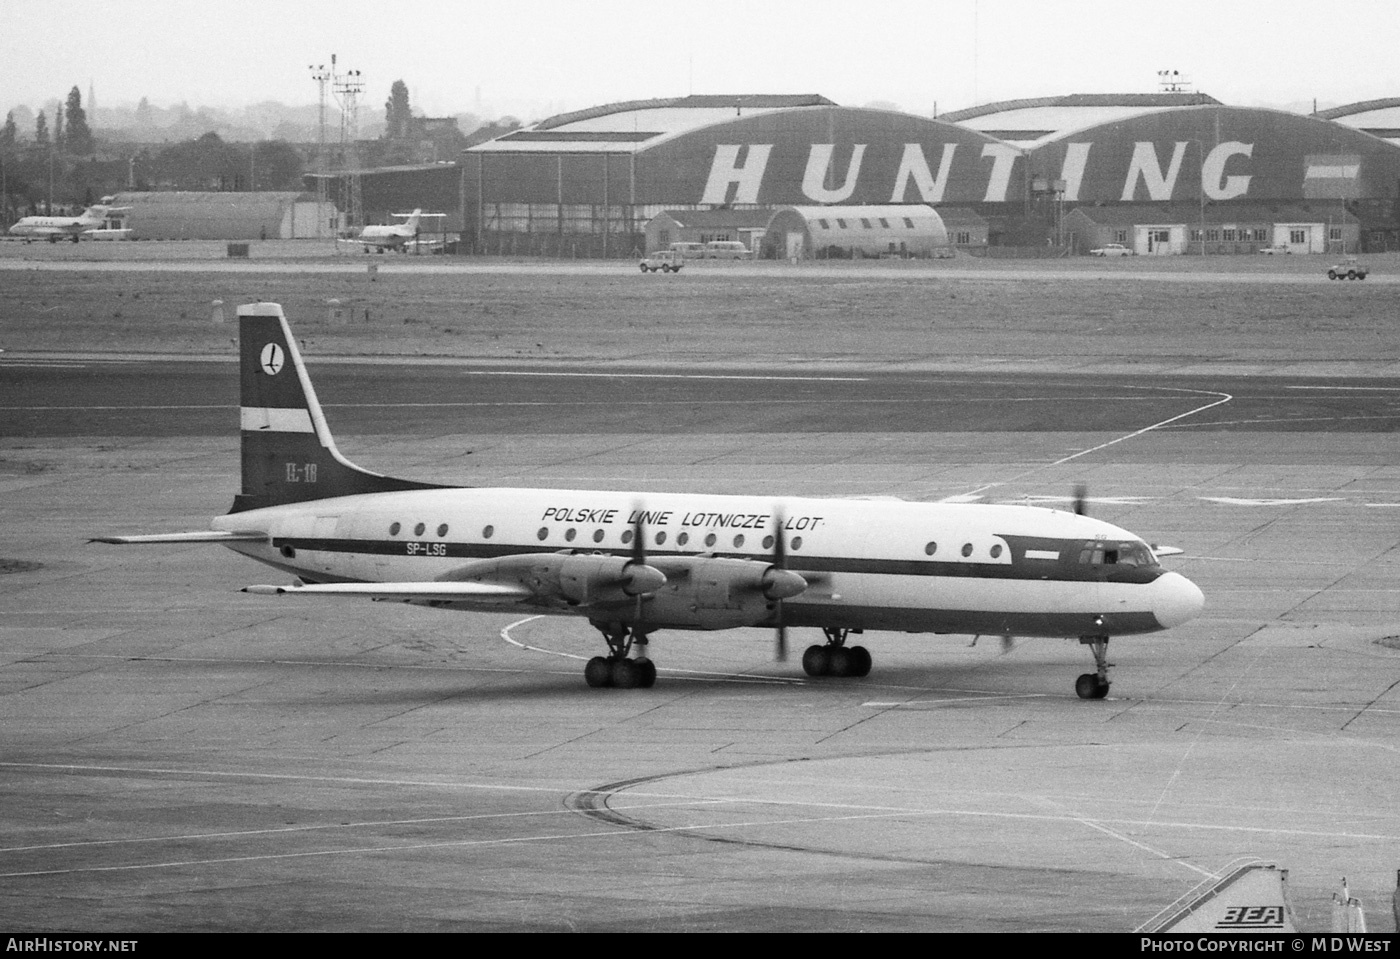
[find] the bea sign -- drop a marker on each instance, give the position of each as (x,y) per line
(737,173)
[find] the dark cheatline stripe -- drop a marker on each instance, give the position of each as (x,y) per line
(1017,570)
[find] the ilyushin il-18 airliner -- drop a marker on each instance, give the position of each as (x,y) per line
(634,563)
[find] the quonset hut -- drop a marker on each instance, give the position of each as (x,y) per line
(843,232)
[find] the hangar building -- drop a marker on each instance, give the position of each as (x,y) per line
(588,183)
(598,176)
(180,215)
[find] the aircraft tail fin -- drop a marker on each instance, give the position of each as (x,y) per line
(413,218)
(289,455)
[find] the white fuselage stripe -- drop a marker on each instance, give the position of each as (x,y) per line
(273,420)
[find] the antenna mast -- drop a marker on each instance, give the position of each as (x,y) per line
(322,76)
(347,87)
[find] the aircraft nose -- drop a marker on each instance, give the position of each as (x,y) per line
(1176,600)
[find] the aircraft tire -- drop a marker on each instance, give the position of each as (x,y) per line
(648,673)
(1088,686)
(627,673)
(861,661)
(841,663)
(598,673)
(816,661)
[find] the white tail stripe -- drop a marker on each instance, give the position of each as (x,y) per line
(1348,171)
(276,420)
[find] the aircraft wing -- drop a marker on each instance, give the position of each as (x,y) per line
(404,592)
(206,536)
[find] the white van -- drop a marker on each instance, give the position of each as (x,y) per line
(691,251)
(727,250)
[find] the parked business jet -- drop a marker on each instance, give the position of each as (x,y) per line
(396,236)
(633,563)
(55,228)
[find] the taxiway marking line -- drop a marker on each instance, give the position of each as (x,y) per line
(705,827)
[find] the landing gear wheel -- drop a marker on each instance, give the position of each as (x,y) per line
(626,674)
(647,670)
(1088,686)
(860,661)
(816,661)
(839,661)
(598,673)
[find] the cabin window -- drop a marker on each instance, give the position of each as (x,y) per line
(487,532)
(289,552)
(996,550)
(394,529)
(739,541)
(967,549)
(543,533)
(627,536)
(767,542)
(796,542)
(442,530)
(710,540)
(597,536)
(660,538)
(930,548)
(418,530)
(682,539)
(569,534)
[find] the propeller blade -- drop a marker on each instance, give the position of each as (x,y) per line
(1081,500)
(639,553)
(779,562)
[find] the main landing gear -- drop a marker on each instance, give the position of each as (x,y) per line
(616,669)
(1094,685)
(835,658)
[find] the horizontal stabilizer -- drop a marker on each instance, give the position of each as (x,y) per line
(1167,550)
(405,592)
(208,536)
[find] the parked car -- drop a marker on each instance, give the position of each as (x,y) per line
(1348,269)
(727,250)
(1276,249)
(1112,249)
(667,261)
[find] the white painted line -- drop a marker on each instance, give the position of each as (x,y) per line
(1381,389)
(677,376)
(1234,501)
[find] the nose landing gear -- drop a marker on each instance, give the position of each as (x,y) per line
(1094,685)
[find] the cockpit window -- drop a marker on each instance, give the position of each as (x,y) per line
(1117,554)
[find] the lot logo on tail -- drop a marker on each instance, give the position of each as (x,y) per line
(271,359)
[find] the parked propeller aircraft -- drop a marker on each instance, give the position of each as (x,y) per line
(633,563)
(396,236)
(55,228)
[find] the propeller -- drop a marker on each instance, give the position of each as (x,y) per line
(779,562)
(639,553)
(1081,499)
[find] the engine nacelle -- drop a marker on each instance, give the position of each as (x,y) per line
(572,579)
(719,593)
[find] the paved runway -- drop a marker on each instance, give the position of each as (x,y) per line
(177,755)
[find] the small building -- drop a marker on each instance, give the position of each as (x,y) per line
(184,215)
(844,232)
(1215,229)
(967,229)
(703,226)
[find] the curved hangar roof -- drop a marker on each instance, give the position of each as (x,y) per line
(1238,153)
(635,125)
(1380,118)
(1030,122)
(768,157)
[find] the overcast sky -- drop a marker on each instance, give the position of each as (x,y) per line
(535,57)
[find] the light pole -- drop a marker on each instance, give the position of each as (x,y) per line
(1201,192)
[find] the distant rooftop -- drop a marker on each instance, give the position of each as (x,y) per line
(1027,123)
(1380,118)
(629,126)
